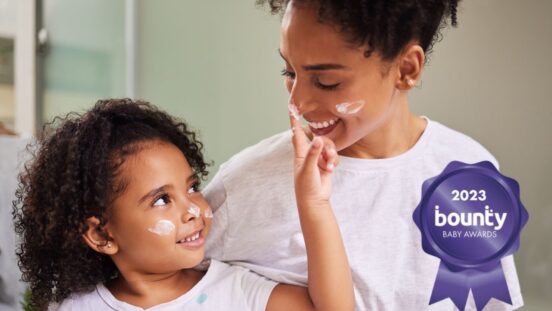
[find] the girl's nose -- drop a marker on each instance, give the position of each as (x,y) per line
(193,211)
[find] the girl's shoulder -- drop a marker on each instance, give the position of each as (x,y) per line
(233,287)
(85,301)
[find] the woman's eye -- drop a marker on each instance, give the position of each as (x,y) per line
(327,87)
(163,200)
(288,74)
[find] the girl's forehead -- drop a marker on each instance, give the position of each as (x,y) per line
(153,163)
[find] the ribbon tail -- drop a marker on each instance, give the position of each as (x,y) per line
(453,285)
(487,285)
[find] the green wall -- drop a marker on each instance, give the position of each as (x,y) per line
(215,64)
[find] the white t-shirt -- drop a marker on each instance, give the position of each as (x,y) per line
(223,287)
(256,223)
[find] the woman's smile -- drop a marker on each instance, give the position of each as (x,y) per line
(323,127)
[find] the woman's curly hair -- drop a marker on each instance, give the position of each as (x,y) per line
(71,178)
(385,26)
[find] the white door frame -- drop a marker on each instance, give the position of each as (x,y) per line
(25,68)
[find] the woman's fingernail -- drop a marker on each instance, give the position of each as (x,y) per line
(330,166)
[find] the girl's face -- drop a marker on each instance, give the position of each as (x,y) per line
(323,71)
(160,221)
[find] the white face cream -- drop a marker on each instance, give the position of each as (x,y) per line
(208,213)
(349,108)
(163,227)
(194,210)
(294,111)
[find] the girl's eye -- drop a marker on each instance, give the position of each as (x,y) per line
(162,200)
(194,188)
(288,74)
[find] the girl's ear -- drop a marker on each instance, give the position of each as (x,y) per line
(411,63)
(97,238)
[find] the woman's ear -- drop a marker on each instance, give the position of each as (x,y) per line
(97,238)
(411,63)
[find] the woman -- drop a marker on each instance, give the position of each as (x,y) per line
(349,66)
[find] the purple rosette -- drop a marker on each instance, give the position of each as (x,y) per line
(470,216)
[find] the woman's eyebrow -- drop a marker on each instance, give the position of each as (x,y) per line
(318,67)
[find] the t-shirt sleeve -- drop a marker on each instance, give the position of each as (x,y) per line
(256,289)
(215,194)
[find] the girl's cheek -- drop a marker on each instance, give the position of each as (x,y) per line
(163,227)
(208,214)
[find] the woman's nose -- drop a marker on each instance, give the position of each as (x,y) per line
(302,102)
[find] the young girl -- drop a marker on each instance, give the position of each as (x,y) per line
(110,218)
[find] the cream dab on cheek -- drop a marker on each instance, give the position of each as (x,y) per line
(349,108)
(163,227)
(208,213)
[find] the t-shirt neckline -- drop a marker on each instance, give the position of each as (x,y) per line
(350,163)
(117,304)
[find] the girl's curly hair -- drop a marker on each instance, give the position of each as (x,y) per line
(71,178)
(385,26)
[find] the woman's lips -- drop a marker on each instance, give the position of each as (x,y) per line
(325,130)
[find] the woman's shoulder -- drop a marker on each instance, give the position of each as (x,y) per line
(445,141)
(274,152)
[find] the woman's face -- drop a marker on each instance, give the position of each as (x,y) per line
(160,221)
(323,70)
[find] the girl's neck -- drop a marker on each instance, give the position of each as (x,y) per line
(396,136)
(148,290)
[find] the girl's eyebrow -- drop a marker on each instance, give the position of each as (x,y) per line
(156,191)
(193,177)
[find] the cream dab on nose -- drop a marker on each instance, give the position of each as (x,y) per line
(194,210)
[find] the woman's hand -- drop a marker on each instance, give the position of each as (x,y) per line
(313,162)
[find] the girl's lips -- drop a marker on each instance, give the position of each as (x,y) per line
(324,131)
(193,245)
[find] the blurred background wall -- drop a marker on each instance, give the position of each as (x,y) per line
(215,64)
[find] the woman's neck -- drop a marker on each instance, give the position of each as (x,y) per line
(396,136)
(148,290)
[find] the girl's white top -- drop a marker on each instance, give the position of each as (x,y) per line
(223,287)
(256,224)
